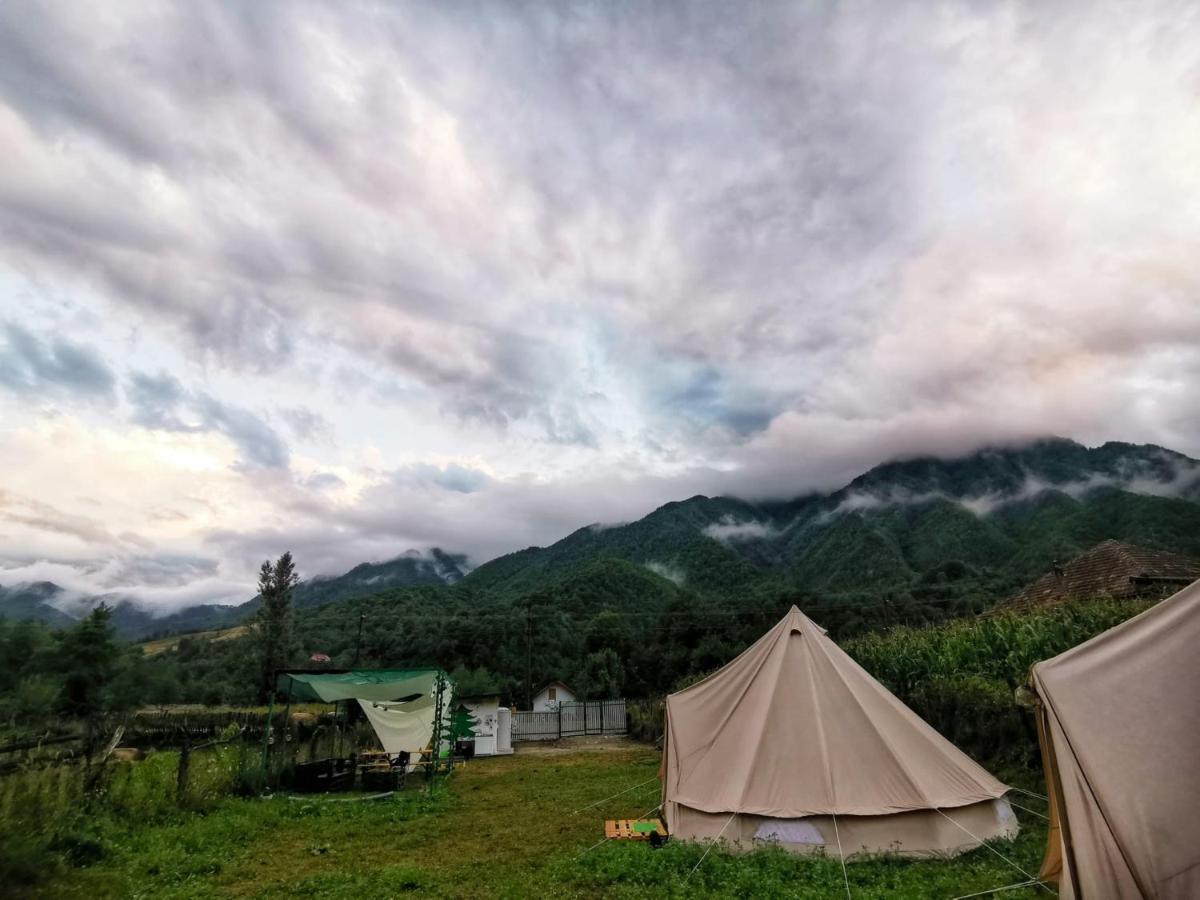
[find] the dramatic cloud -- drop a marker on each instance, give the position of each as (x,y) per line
(52,367)
(160,402)
(499,271)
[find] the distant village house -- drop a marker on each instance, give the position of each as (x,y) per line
(548,698)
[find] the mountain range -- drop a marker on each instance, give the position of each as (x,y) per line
(47,602)
(992,520)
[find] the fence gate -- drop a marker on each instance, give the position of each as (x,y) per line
(570,720)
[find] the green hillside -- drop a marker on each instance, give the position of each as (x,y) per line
(1005,513)
(637,606)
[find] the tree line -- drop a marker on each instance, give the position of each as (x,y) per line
(608,628)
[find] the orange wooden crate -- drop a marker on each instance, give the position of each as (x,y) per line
(633,829)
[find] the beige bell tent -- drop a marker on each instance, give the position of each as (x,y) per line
(1119,722)
(794,743)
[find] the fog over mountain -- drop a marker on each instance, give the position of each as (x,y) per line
(349,280)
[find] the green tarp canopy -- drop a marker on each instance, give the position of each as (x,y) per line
(378,685)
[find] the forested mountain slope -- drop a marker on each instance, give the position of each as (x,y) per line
(1003,514)
(931,536)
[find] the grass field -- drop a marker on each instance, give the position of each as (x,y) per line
(161,645)
(501,827)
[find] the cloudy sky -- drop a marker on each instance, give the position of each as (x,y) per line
(356,278)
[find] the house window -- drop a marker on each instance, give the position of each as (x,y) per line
(553,694)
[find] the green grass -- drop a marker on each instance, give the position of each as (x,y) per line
(503,827)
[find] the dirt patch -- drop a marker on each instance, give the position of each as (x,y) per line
(576,744)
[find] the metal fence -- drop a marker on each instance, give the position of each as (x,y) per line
(570,720)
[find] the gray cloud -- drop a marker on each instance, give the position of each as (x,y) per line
(646,250)
(53,366)
(161,402)
(260,444)
(451,477)
(323,480)
(157,401)
(162,583)
(33,513)
(307,424)
(494,201)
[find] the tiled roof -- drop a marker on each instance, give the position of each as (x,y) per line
(1110,569)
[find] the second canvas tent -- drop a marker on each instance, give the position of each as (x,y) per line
(794,743)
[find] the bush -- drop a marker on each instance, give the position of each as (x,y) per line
(646,719)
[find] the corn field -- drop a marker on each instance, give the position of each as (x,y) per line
(962,676)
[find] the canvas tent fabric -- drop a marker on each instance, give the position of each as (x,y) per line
(794,733)
(1119,721)
(400,704)
(357,684)
(403,726)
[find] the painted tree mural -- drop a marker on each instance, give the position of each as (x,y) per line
(462,724)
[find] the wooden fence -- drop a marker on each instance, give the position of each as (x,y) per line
(570,720)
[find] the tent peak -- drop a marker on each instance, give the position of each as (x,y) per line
(798,621)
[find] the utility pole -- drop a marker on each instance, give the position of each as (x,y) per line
(362,617)
(529,652)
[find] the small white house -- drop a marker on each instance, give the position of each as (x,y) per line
(548,698)
(493,725)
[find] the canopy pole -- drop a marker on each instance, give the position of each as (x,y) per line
(287,713)
(267,734)
(340,726)
(435,739)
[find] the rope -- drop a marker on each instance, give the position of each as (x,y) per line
(710,846)
(615,796)
(342,799)
(594,846)
(1032,812)
(1030,793)
(841,856)
(1007,887)
(607,838)
(993,849)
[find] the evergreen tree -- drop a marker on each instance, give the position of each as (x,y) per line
(91,653)
(273,624)
(602,676)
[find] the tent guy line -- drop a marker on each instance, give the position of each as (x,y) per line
(1030,811)
(994,850)
(841,856)
(608,838)
(711,844)
(614,796)
(997,890)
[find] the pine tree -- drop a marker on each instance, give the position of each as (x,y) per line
(273,625)
(90,651)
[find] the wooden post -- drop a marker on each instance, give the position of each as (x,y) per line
(529,653)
